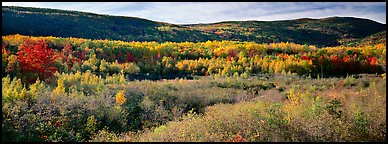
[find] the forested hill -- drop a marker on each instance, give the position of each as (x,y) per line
(377,38)
(63,23)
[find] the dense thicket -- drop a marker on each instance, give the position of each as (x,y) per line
(151,60)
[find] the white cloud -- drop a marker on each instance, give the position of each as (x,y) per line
(29,4)
(346,11)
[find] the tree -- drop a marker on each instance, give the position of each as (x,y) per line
(36,61)
(67,56)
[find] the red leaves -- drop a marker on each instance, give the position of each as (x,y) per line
(66,56)
(334,59)
(43,137)
(3,51)
(80,54)
(171,56)
(306,57)
(37,59)
(232,53)
(120,57)
(322,59)
(345,59)
(130,58)
(237,138)
(67,49)
(58,124)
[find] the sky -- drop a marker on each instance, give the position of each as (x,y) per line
(211,12)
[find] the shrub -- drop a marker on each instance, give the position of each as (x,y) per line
(305,116)
(131,68)
(87,83)
(14,90)
(105,135)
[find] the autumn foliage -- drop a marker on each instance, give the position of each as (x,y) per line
(152,60)
(120,98)
(36,60)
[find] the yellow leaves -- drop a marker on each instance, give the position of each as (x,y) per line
(218,52)
(120,97)
(12,63)
(103,65)
(293,104)
(61,86)
(79,81)
(14,89)
(160,129)
(122,79)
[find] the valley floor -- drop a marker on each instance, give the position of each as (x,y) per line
(260,108)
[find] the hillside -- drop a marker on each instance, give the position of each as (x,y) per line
(320,32)
(51,22)
(377,38)
(63,23)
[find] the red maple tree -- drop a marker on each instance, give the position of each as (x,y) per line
(36,60)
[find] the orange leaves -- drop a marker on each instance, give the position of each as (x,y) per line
(380,46)
(285,56)
(310,62)
(372,61)
(158,54)
(229,59)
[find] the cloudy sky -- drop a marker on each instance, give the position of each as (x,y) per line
(210,12)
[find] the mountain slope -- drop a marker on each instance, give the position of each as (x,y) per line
(62,23)
(321,32)
(51,22)
(377,38)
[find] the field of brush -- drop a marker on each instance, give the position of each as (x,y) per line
(73,89)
